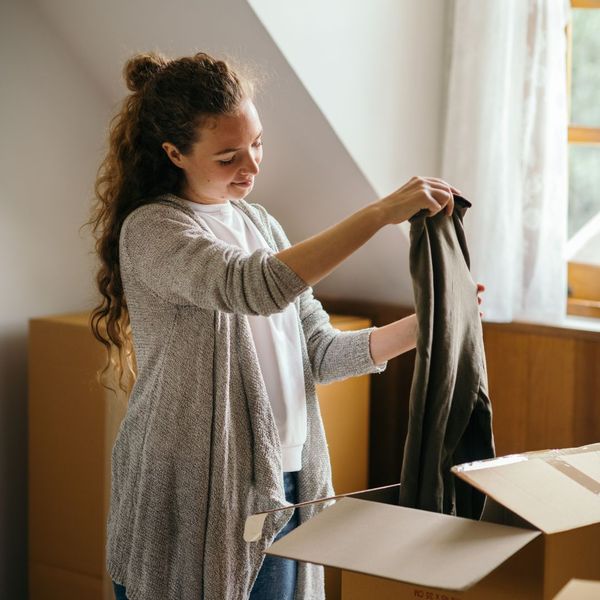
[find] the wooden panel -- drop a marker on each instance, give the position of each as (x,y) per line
(584,135)
(584,281)
(506,358)
(583,308)
(545,388)
(531,383)
(549,394)
(574,330)
(585,3)
(587,393)
(47,582)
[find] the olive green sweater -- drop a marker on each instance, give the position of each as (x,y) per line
(450,419)
(198,450)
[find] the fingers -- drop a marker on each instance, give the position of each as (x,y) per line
(444,199)
(442,192)
(433,207)
(439,194)
(435,182)
(480,288)
(450,206)
(445,184)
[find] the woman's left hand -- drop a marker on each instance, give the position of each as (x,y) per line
(480,288)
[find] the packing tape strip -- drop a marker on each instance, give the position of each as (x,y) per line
(545,455)
(254,524)
(575,474)
(581,450)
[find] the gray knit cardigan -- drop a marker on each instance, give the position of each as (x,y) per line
(198,450)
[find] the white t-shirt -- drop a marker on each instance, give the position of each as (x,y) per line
(276,337)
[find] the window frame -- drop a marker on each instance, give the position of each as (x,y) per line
(583,279)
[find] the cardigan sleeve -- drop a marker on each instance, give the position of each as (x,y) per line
(333,354)
(172,256)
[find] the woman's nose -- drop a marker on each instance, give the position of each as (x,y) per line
(251,166)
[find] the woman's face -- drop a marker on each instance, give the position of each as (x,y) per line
(222,165)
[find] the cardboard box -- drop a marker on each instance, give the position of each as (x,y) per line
(580,589)
(541,528)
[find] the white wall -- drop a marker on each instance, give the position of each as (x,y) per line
(590,252)
(375,71)
(52,119)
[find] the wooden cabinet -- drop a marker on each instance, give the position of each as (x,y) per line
(73,422)
(345,412)
(544,384)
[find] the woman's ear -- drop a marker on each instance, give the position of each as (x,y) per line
(174,155)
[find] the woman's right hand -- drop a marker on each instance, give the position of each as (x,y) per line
(418,193)
(317,256)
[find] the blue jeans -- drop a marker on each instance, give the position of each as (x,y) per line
(277,577)
(119,591)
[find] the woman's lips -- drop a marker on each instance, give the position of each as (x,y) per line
(246,183)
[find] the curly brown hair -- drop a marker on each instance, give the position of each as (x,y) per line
(170,101)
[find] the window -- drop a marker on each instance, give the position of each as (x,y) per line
(583,247)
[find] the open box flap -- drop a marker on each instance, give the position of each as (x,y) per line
(554,490)
(403,544)
(580,589)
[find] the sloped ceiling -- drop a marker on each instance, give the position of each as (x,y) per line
(374,70)
(310,178)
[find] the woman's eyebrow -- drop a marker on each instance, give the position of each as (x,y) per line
(234,149)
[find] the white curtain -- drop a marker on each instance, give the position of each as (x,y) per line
(505,148)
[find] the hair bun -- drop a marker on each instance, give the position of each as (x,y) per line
(141,68)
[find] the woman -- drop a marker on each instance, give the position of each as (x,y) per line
(206,292)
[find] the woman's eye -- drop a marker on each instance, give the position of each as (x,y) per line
(258,144)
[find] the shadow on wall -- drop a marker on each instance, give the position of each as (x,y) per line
(13,462)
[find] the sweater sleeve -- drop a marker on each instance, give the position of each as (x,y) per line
(333,354)
(168,252)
